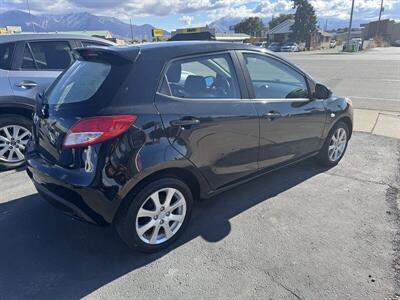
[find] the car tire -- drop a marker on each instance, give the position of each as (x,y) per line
(7,127)
(332,152)
(139,218)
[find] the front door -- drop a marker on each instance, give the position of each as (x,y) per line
(291,125)
(208,119)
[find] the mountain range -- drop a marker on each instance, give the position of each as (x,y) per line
(87,21)
(73,22)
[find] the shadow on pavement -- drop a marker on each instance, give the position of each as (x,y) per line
(47,255)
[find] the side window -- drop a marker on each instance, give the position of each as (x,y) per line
(273,79)
(49,55)
(6,51)
(27,61)
(205,77)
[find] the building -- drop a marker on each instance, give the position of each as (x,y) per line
(342,36)
(10,29)
(388,29)
(281,32)
(207,33)
(320,39)
(104,34)
(232,37)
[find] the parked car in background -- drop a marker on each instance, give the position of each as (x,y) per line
(396,43)
(275,47)
(332,44)
(290,47)
(125,139)
(261,44)
(28,64)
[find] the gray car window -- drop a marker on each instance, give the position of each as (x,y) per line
(47,55)
(6,51)
(273,79)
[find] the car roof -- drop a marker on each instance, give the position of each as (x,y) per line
(168,50)
(20,37)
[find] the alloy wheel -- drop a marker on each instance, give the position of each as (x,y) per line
(337,144)
(160,216)
(13,141)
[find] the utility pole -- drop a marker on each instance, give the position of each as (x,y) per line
(379,20)
(29,10)
(130,21)
(350,24)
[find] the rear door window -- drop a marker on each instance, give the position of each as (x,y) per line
(202,77)
(79,83)
(6,51)
(47,55)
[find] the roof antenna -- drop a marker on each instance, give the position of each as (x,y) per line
(29,10)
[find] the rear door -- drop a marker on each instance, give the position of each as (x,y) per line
(37,64)
(291,124)
(208,118)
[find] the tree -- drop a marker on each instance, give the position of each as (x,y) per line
(251,26)
(279,19)
(305,22)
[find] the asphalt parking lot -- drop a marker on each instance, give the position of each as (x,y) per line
(300,233)
(371,78)
(303,232)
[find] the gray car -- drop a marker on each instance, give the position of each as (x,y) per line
(29,63)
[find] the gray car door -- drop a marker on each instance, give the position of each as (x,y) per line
(37,65)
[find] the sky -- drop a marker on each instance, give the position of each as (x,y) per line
(171,14)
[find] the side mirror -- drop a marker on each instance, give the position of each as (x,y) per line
(322,92)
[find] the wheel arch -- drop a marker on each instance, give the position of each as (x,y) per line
(348,122)
(185,175)
(25,111)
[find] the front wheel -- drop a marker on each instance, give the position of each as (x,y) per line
(15,132)
(156,216)
(335,145)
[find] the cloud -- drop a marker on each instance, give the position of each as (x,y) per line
(186,20)
(213,9)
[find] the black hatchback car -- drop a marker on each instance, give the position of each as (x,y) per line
(132,136)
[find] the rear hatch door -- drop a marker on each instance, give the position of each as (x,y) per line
(83,90)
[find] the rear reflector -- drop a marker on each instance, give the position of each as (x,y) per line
(94,130)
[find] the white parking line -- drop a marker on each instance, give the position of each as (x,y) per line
(373,98)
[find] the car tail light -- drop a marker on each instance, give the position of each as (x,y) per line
(94,130)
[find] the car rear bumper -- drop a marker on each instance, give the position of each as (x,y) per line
(85,203)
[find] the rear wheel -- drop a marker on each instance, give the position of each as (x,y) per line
(156,216)
(15,132)
(335,145)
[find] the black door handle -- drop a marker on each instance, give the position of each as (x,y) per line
(272,115)
(185,122)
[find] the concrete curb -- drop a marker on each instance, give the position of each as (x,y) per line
(377,122)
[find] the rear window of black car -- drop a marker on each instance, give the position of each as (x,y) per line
(6,51)
(79,83)
(87,86)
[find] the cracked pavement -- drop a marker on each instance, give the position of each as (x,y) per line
(302,232)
